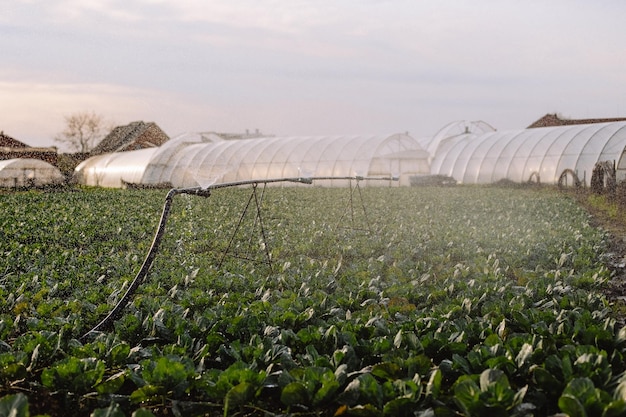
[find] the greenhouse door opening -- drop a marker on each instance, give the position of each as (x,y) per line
(569,179)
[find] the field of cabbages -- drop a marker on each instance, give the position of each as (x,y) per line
(461,301)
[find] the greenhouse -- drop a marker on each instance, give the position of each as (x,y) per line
(465,152)
(28,172)
(203,159)
(477,154)
(113,170)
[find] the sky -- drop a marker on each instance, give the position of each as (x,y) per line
(308,67)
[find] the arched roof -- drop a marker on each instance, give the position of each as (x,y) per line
(113,169)
(26,172)
(188,161)
(458,128)
(478,158)
(201,159)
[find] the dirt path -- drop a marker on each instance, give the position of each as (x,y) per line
(616,290)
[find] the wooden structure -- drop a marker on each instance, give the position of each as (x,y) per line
(550,120)
(11,148)
(131,137)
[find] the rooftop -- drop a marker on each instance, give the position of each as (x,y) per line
(555,119)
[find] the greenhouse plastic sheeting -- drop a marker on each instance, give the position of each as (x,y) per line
(27,172)
(202,159)
(191,160)
(113,170)
(524,155)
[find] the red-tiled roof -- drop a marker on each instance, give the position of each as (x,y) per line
(8,142)
(136,135)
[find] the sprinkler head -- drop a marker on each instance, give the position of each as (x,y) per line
(202,192)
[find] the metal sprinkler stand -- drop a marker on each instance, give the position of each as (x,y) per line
(116,313)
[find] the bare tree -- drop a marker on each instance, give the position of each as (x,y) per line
(83,131)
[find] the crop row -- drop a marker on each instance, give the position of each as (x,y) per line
(388,301)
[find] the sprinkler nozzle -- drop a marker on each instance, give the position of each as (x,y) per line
(202,192)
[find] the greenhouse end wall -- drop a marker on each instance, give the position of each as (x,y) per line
(28,172)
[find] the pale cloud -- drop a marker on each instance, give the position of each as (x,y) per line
(304,66)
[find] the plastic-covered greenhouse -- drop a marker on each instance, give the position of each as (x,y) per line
(113,169)
(469,152)
(476,154)
(28,172)
(202,159)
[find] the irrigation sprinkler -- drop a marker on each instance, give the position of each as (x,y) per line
(257,202)
(116,313)
(357,187)
(254,197)
(205,192)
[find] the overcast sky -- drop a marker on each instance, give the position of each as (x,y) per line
(300,67)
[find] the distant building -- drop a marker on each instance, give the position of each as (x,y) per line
(247,135)
(550,120)
(11,148)
(131,137)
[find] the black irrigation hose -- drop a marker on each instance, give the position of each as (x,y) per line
(116,313)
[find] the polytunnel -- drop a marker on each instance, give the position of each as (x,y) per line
(28,172)
(539,154)
(113,170)
(203,159)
